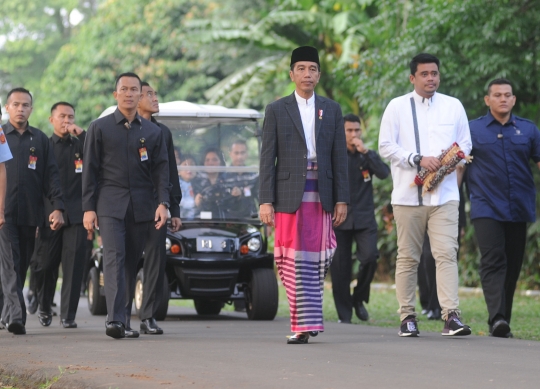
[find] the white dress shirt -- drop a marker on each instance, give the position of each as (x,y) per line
(441,121)
(307,114)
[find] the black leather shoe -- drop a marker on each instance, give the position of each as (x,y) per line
(45,318)
(130,333)
(16,328)
(434,314)
(298,339)
(361,311)
(115,329)
(313,333)
(500,329)
(149,326)
(32,303)
(69,323)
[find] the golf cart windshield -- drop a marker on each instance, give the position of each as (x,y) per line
(218,167)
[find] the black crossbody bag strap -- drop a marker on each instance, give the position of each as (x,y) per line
(417,139)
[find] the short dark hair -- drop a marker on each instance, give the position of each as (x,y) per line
(351,118)
(144,83)
(238,142)
(20,90)
(499,81)
(423,58)
(215,150)
(55,105)
(127,74)
(185,157)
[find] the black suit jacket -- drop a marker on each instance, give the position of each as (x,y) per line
(66,152)
(283,164)
(114,174)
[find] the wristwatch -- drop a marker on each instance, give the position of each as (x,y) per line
(416,159)
(166,204)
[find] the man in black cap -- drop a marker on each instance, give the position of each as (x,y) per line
(304,180)
(126,163)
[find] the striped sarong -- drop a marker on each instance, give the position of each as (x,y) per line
(304,246)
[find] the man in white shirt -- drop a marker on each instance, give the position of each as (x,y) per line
(415,128)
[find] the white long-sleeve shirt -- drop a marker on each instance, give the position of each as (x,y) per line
(307,114)
(441,121)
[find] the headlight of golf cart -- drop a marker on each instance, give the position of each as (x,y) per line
(168,244)
(254,244)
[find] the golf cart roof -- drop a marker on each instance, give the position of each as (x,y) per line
(187,110)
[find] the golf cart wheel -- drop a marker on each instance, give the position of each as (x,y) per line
(262,295)
(96,302)
(163,307)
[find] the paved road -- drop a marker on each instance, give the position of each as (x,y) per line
(229,351)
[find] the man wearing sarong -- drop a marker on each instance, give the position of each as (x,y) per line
(304,189)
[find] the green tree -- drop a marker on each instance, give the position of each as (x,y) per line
(31,33)
(335,28)
(149,38)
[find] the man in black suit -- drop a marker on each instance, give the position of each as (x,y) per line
(303,179)
(155,253)
(360,225)
(31,175)
(68,244)
(126,162)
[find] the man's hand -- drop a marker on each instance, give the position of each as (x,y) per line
(176,223)
(2,219)
(198,199)
(161,216)
(266,212)
(340,214)
(74,129)
(359,145)
(56,219)
(430,163)
(90,221)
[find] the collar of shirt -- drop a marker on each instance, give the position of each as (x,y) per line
(490,119)
(8,128)
(119,117)
(57,139)
(423,100)
(307,114)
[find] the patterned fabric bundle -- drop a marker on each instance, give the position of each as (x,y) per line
(304,246)
(449,160)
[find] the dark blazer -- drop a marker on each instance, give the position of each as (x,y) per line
(26,187)
(113,173)
(283,163)
(66,152)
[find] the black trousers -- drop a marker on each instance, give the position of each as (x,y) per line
(427,279)
(16,248)
(502,245)
(341,268)
(66,246)
(123,243)
(154,269)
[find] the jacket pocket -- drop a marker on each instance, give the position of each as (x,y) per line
(283,175)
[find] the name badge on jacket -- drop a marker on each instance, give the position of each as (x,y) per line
(366,175)
(142,150)
(78,164)
(32,161)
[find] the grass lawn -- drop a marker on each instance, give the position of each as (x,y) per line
(383,307)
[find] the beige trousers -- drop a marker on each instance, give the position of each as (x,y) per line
(441,223)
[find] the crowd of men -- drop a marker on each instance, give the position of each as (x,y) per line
(315,187)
